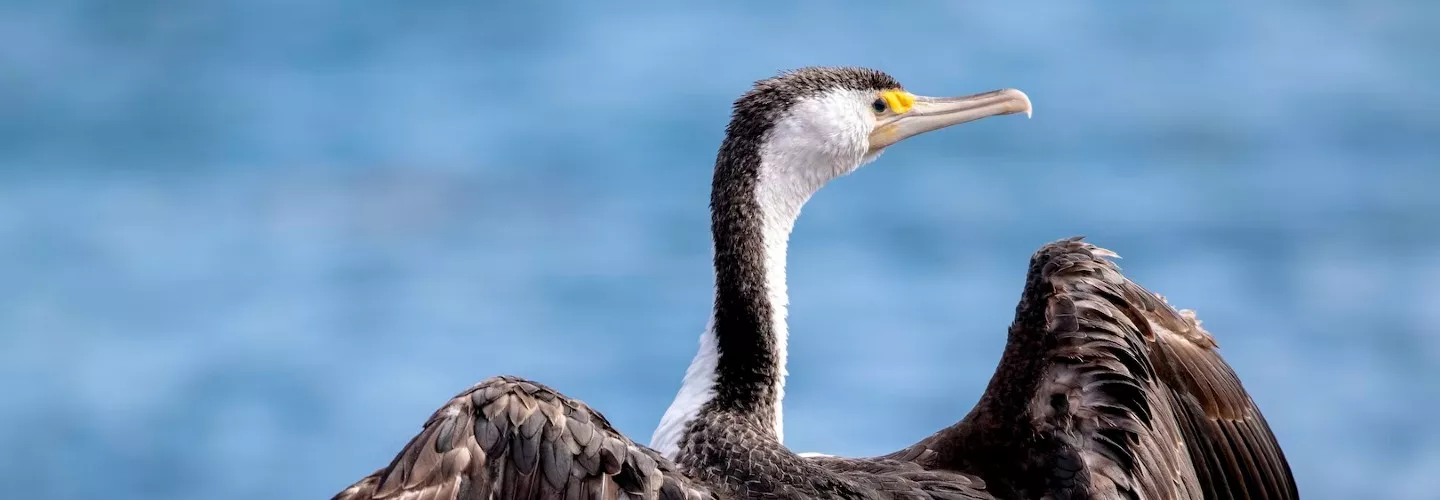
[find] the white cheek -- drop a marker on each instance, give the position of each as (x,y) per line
(831,130)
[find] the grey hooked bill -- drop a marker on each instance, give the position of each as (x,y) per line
(934,113)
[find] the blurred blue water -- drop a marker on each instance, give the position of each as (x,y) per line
(246,247)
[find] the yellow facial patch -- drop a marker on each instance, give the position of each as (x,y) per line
(900,101)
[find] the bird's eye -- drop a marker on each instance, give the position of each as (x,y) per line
(879,105)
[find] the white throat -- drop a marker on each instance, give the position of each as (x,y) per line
(802,153)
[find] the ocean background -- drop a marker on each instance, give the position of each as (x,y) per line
(247,247)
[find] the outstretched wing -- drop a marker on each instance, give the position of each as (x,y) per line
(515,439)
(1229,442)
(1106,391)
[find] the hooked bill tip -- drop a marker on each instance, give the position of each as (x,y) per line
(1022,99)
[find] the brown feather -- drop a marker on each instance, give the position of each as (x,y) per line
(1099,366)
(513,439)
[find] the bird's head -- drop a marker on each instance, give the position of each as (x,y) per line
(820,123)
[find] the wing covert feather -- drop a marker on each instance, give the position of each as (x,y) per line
(511,438)
(1159,412)
(1117,394)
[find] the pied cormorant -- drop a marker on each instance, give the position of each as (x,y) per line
(1103,390)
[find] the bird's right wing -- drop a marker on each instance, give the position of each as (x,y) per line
(513,439)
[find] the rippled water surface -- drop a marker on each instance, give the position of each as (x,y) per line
(246,247)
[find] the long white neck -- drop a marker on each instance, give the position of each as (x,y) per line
(786,177)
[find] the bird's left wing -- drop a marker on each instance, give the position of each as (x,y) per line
(1104,390)
(1231,446)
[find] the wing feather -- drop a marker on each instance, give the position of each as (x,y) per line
(515,439)
(1243,453)
(1103,369)
(1198,427)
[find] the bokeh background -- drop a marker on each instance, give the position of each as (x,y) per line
(247,246)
